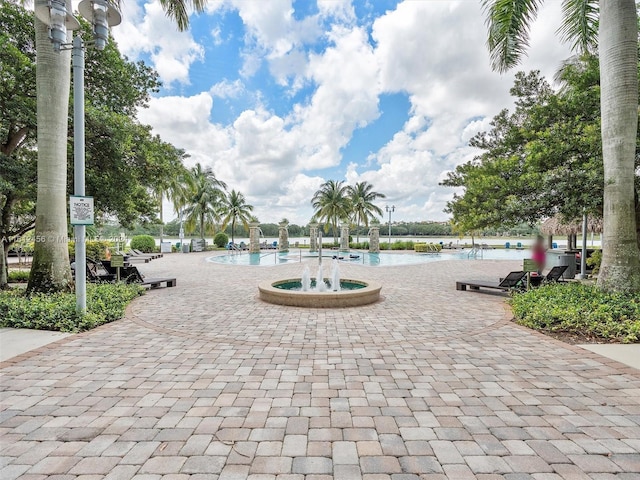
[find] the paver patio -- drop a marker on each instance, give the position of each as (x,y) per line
(204,381)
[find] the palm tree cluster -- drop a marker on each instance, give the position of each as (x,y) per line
(335,201)
(203,201)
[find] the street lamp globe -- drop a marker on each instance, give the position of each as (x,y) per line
(54,13)
(102,15)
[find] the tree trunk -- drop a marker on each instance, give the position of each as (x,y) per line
(4,266)
(50,271)
(161,222)
(618,51)
(233,229)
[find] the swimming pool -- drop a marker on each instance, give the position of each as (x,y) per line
(266,259)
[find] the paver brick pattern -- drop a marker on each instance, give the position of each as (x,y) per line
(204,381)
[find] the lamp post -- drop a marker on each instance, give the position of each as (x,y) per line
(583,254)
(390,209)
(102,14)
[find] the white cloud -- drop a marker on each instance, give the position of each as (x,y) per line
(147,30)
(227,89)
(341,10)
(434,52)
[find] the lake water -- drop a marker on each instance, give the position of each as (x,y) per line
(455,241)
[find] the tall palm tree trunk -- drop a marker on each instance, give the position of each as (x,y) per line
(161,222)
(233,229)
(50,270)
(618,52)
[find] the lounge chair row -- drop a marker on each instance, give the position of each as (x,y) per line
(514,281)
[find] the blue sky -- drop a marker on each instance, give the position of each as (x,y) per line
(278,96)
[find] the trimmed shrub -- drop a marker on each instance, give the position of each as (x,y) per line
(595,260)
(144,243)
(18,276)
(427,247)
(105,303)
(96,249)
(221,240)
(581,310)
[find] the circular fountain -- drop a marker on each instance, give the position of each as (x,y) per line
(308,292)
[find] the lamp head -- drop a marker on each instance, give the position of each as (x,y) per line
(102,14)
(54,13)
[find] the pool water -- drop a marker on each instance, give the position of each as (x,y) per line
(296,285)
(365,258)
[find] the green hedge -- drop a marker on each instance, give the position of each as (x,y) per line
(105,303)
(96,249)
(427,247)
(144,243)
(579,309)
(18,276)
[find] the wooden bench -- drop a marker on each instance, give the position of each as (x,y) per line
(157,282)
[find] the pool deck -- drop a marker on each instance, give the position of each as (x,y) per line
(204,381)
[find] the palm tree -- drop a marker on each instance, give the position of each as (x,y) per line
(362,198)
(332,203)
(203,200)
(50,270)
(237,209)
(616,27)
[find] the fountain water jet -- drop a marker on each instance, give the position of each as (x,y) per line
(306,279)
(335,276)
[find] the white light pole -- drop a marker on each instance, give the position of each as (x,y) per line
(102,14)
(390,209)
(583,255)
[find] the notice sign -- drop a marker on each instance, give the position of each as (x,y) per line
(81,210)
(117,260)
(529,265)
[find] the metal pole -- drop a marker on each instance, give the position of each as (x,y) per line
(390,210)
(320,245)
(77,55)
(583,255)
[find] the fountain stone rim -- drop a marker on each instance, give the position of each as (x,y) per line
(370,293)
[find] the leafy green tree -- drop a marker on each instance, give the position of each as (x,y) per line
(332,204)
(204,201)
(121,168)
(236,209)
(614,27)
(542,159)
(17,129)
(363,208)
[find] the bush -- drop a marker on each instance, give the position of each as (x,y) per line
(144,243)
(595,260)
(18,276)
(105,303)
(96,249)
(427,247)
(581,310)
(221,240)
(398,245)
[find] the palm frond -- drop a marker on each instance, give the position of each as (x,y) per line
(178,10)
(508,22)
(580,24)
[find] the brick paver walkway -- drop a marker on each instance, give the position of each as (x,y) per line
(204,381)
